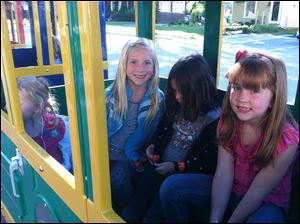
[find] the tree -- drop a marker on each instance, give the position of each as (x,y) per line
(196,7)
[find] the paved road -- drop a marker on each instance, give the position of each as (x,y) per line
(170,48)
(286,48)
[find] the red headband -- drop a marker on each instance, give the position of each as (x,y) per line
(240,54)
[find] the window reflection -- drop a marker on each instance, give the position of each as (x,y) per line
(18,21)
(55,33)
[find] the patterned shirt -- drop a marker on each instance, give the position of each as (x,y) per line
(184,134)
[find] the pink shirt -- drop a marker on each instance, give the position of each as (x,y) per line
(244,174)
(53,132)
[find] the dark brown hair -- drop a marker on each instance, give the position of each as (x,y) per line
(195,82)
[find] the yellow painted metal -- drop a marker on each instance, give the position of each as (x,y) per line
(6,215)
(153,20)
(220,43)
(37,34)
(49,36)
(60,180)
(100,210)
(79,207)
(5,89)
(39,70)
(8,65)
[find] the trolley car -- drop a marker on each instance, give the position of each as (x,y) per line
(34,186)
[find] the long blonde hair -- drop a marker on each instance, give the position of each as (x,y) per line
(37,91)
(119,85)
(260,71)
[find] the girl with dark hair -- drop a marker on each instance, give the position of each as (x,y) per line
(185,139)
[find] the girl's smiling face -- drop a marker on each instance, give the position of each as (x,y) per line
(250,105)
(140,66)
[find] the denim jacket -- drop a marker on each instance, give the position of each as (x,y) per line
(133,147)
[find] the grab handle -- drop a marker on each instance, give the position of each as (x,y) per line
(16,164)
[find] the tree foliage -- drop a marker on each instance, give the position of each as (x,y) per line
(196,7)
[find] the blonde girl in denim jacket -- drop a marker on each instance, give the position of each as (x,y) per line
(134,105)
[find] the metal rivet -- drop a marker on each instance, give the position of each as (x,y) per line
(41,168)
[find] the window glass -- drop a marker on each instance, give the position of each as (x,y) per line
(18,21)
(179,31)
(275,12)
(43,122)
(259,34)
(120,27)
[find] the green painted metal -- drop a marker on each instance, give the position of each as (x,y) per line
(14,204)
(80,95)
(60,96)
(145,19)
(33,191)
(211,34)
(295,107)
(2,96)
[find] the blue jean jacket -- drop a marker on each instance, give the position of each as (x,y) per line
(133,147)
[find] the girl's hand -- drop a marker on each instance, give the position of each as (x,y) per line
(152,158)
(165,168)
(139,164)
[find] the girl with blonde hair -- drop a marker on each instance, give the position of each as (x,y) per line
(41,121)
(134,105)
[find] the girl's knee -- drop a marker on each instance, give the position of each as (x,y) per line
(167,187)
(267,213)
